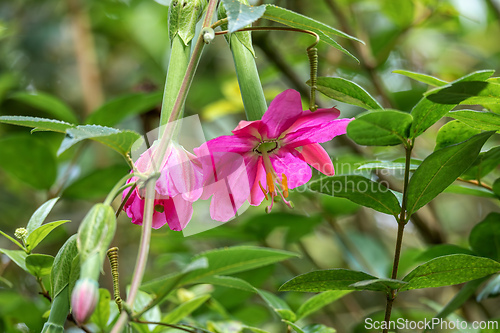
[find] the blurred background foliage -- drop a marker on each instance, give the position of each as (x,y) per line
(82,54)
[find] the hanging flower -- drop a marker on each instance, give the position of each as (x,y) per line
(276,152)
(178,186)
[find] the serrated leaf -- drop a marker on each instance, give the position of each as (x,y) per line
(380,128)
(121,141)
(182,311)
(96,184)
(359,190)
(39,264)
(428,111)
(430,80)
(48,104)
(40,233)
(487,121)
(484,238)
(240,15)
(440,169)
(295,20)
(454,132)
(449,270)
(346,91)
(278,305)
(118,109)
(38,124)
(102,311)
(39,216)
(61,269)
(319,301)
(384,285)
(17,256)
(29,160)
(325,280)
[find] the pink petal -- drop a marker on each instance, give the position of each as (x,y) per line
(322,132)
(282,113)
(318,158)
(256,194)
(308,118)
(177,212)
(296,170)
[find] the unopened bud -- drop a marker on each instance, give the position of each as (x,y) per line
(185,295)
(84,299)
(21,233)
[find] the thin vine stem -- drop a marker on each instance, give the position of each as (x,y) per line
(403,219)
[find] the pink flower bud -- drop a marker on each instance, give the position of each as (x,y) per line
(84,299)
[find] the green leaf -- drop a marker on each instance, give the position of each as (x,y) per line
(449,270)
(96,184)
(182,311)
(40,215)
(295,20)
(236,259)
(102,311)
(460,298)
(40,233)
(469,189)
(17,256)
(61,269)
(38,124)
(469,92)
(428,111)
(229,282)
(118,109)
(12,239)
(165,284)
(440,169)
(496,187)
(278,305)
(318,328)
(359,190)
(380,128)
(442,250)
(484,238)
(430,80)
(48,104)
(121,141)
(319,301)
(384,285)
(189,14)
(454,132)
(241,15)
(487,121)
(29,160)
(39,264)
(388,165)
(325,280)
(346,91)
(485,163)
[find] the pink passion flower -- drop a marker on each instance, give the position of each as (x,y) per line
(178,186)
(276,152)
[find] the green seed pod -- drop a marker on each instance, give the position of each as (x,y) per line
(246,69)
(96,233)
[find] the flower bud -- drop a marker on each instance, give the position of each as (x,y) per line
(21,233)
(84,299)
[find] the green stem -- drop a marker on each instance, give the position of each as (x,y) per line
(403,219)
(58,313)
(117,189)
(142,256)
(177,66)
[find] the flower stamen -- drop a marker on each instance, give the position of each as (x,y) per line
(284,183)
(263,190)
